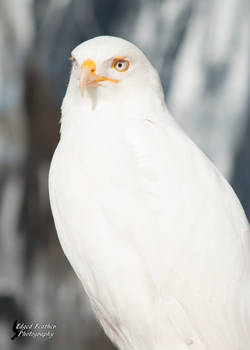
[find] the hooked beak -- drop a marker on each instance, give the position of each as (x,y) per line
(88,76)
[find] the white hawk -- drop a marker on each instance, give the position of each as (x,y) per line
(154,232)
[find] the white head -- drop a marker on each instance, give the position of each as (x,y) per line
(109,69)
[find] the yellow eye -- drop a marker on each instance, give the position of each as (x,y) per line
(120,64)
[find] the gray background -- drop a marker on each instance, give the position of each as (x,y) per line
(200,48)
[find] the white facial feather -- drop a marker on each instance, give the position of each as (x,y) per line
(140,82)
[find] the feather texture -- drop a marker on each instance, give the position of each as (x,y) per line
(154,232)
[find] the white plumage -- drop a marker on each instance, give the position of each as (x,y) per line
(154,232)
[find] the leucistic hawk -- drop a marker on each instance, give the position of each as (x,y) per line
(154,232)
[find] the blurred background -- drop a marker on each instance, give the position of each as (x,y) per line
(201,49)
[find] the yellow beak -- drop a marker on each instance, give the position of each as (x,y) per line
(88,76)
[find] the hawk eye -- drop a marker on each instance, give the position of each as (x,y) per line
(120,64)
(74,62)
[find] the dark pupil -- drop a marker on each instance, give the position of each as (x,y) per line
(120,65)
